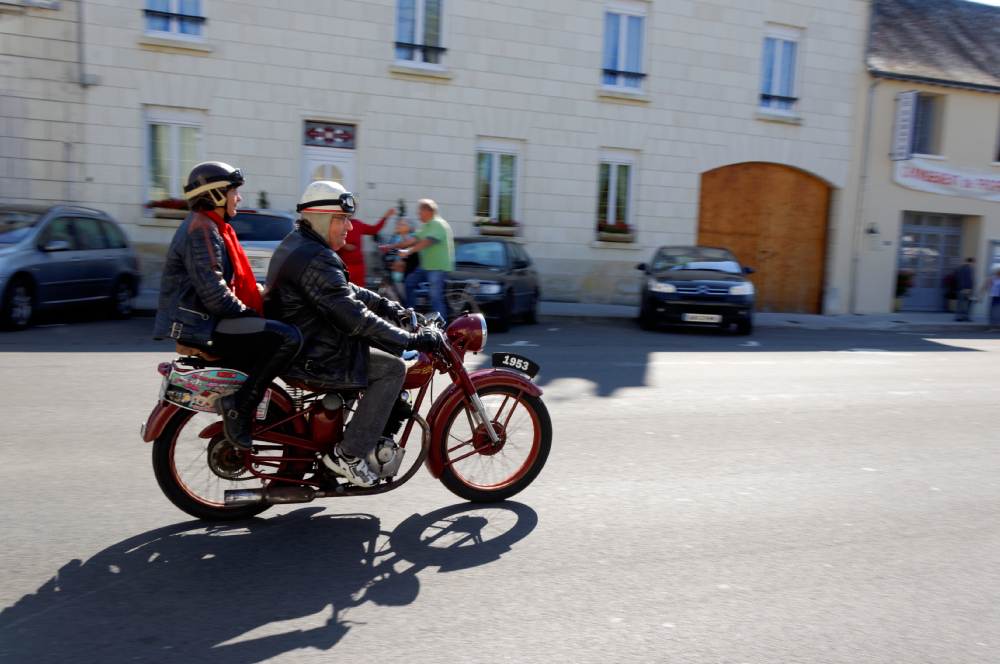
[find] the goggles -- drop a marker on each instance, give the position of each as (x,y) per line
(234,179)
(345,202)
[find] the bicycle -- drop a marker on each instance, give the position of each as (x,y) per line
(459,294)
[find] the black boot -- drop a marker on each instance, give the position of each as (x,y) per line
(235,424)
(239,409)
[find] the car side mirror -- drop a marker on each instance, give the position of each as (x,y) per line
(57,245)
(748,270)
(641,266)
(520,265)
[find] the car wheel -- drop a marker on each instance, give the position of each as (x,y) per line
(531,315)
(744,327)
(121,299)
(646,320)
(18,304)
(506,307)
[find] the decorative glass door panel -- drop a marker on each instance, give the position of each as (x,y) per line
(929,252)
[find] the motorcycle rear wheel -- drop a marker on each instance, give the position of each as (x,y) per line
(496,473)
(180,463)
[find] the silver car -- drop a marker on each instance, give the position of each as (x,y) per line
(63,255)
(260,232)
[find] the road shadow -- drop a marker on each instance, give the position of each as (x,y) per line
(204,593)
(615,354)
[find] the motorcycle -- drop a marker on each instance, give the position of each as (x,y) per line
(486,437)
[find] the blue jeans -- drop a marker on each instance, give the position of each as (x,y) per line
(436,280)
(995,312)
(963,306)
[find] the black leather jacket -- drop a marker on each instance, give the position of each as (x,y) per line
(194,288)
(308,287)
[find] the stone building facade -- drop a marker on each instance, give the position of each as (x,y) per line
(562,116)
(929,160)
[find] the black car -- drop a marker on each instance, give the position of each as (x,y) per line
(507,284)
(696,285)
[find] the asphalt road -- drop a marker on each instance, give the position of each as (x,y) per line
(816,497)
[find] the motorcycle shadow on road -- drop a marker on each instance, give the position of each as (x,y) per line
(249,591)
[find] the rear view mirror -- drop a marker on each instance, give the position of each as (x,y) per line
(748,270)
(520,265)
(641,266)
(56,245)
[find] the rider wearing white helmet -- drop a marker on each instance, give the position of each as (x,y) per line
(349,339)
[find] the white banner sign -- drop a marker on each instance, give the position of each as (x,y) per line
(924,175)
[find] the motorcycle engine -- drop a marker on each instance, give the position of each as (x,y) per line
(386,458)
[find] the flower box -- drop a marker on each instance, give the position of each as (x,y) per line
(615,237)
(508,231)
(166,213)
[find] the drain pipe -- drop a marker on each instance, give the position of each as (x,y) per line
(859,217)
(79,44)
(68,159)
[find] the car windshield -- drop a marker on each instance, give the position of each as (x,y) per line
(488,254)
(15,226)
(696,258)
(252,227)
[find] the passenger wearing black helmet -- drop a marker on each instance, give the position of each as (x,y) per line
(210,300)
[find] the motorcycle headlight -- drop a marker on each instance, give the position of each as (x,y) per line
(489,288)
(660,287)
(742,289)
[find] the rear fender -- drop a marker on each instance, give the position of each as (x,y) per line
(452,396)
(163,411)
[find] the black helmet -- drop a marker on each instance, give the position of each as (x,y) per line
(208,183)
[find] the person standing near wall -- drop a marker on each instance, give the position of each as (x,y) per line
(992,284)
(966,288)
(352,254)
(436,247)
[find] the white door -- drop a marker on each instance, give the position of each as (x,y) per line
(336,164)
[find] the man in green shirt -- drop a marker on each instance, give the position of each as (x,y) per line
(436,247)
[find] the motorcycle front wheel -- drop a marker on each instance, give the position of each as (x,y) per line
(194,473)
(482,472)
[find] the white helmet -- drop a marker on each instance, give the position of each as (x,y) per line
(328,197)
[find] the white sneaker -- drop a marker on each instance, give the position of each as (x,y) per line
(353,469)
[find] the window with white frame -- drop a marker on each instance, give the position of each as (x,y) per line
(497,173)
(181,19)
(419,32)
(778,68)
(174,140)
(927,124)
(614,192)
(624,34)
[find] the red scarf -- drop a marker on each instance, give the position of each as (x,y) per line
(244,284)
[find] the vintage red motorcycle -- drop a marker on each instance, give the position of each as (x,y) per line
(486,436)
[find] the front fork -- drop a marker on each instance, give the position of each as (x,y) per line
(483,417)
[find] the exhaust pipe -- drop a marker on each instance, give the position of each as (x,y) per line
(279,495)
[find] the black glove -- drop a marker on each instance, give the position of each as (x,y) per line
(426,340)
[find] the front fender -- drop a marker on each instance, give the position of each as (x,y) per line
(451,397)
(157,420)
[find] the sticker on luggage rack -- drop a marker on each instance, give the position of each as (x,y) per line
(199,390)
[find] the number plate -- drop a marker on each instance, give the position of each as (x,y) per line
(515,362)
(701,318)
(257,263)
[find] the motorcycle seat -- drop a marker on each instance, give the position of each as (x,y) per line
(347,393)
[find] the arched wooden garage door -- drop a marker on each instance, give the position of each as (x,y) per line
(773,218)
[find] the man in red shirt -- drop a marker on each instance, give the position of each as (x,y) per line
(352,255)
